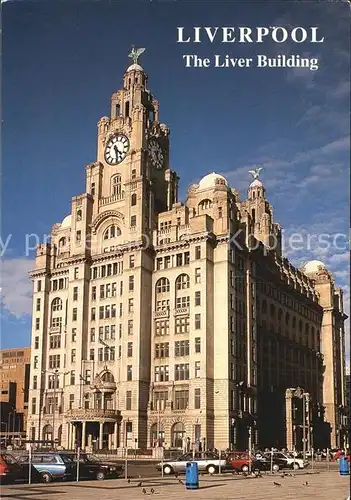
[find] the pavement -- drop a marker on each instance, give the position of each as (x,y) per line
(308,486)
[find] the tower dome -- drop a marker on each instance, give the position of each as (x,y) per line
(313,266)
(134,67)
(256,183)
(212,180)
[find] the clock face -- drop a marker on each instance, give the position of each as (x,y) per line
(156,154)
(116,149)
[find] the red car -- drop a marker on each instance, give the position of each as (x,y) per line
(239,460)
(10,468)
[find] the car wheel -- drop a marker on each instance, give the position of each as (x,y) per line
(211,469)
(167,469)
(100,476)
(45,477)
(275,468)
(295,466)
(245,468)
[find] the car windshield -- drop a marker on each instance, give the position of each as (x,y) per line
(66,459)
(9,459)
(91,458)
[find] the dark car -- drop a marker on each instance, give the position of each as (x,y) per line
(91,467)
(50,466)
(10,468)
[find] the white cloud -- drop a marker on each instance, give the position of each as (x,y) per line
(16,291)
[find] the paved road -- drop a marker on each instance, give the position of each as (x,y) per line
(324,486)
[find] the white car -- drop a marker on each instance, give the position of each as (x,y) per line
(293,462)
(206,461)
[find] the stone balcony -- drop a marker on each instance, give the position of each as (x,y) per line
(111,199)
(161,314)
(93,415)
(55,329)
(181,311)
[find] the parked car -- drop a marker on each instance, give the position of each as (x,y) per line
(10,468)
(286,461)
(51,466)
(91,467)
(207,461)
(240,461)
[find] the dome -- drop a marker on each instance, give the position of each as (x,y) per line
(210,181)
(313,266)
(67,221)
(256,183)
(134,67)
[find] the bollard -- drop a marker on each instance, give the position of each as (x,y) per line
(191,476)
(78,460)
(162,472)
(220,462)
(272,461)
(312,457)
(344,467)
(328,465)
(126,465)
(30,465)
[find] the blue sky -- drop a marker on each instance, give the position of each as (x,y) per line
(62,61)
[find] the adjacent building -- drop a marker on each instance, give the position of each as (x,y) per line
(14,389)
(161,321)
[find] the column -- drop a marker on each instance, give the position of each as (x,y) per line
(101,435)
(73,436)
(83,434)
(288,420)
(115,445)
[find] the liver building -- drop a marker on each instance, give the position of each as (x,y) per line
(157,322)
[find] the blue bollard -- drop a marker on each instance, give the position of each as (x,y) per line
(192,476)
(344,469)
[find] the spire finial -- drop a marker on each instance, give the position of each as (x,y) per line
(255,172)
(135,54)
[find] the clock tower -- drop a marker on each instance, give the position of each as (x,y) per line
(132,167)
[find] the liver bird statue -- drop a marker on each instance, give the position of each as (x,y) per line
(135,54)
(255,172)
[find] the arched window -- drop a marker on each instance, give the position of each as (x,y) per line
(48,433)
(112,231)
(116,185)
(62,242)
(134,199)
(178,434)
(133,173)
(157,435)
(107,377)
(182,282)
(205,204)
(56,304)
(162,285)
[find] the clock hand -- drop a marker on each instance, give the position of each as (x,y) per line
(116,149)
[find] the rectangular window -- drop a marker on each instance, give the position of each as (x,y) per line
(37,308)
(133,221)
(92,334)
(93,293)
(34,406)
(162,373)
(102,291)
(129,373)
(35,382)
(160,400)
(39,286)
(181,348)
(182,325)
(162,327)
(181,400)
(162,350)
(92,354)
(101,312)
(74,334)
(130,327)
(197,321)
(75,293)
(74,314)
(197,399)
(93,314)
(198,275)
(72,377)
(131,283)
(36,342)
(181,372)
(71,401)
(128,400)
(55,341)
(130,305)
(76,273)
(197,345)
(37,324)
(198,298)
(54,361)
(130,350)
(197,369)
(198,252)
(79,236)
(73,356)
(35,362)
(131,261)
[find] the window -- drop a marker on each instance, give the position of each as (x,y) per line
(92,189)
(130,327)
(79,215)
(35,382)
(198,298)
(55,341)
(197,369)
(92,354)
(133,199)
(54,361)
(181,400)
(182,372)
(133,221)
(130,350)
(162,285)
(72,380)
(73,356)
(35,362)
(36,342)
(182,325)
(56,322)
(34,406)
(37,308)
(129,373)
(74,334)
(128,400)
(133,176)
(197,399)
(53,382)
(162,327)
(131,261)
(181,348)
(182,302)
(78,236)
(198,275)
(198,252)
(76,273)
(131,283)
(182,282)
(130,305)
(37,323)
(162,350)
(198,345)
(160,399)
(92,334)
(197,321)
(75,293)
(162,373)
(39,286)
(111,232)
(116,185)
(74,314)
(71,401)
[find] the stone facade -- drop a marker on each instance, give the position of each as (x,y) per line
(156,321)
